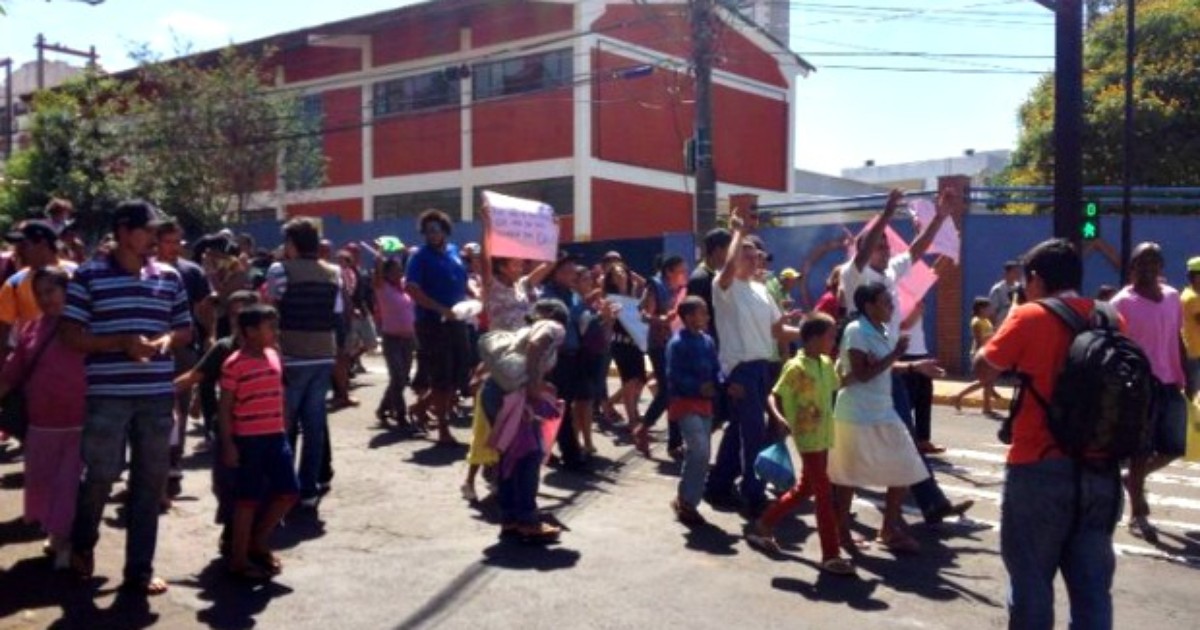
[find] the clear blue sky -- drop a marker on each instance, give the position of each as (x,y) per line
(845,115)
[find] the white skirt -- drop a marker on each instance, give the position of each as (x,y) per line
(880,455)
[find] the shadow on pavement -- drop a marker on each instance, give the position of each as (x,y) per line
(235,602)
(519,556)
(711,539)
(32,584)
(1187,545)
(439,455)
(18,531)
(300,525)
(853,592)
(13,481)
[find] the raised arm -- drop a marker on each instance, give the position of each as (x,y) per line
(877,231)
(485,252)
(739,219)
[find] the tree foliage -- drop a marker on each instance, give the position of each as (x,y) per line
(199,136)
(1166,100)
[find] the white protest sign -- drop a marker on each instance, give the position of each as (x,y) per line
(630,317)
(521,228)
(947,241)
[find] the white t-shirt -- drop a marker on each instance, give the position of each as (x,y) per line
(744,314)
(916,338)
(852,278)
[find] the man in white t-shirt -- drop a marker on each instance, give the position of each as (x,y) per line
(873,262)
(750,324)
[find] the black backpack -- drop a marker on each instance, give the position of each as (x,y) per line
(1102,404)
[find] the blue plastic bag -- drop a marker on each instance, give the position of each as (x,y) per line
(773,465)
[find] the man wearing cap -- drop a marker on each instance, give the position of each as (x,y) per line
(780,287)
(36,243)
(1190,302)
(127,313)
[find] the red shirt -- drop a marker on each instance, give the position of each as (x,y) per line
(256,384)
(1034,341)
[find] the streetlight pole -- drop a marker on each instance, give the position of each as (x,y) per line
(1127,141)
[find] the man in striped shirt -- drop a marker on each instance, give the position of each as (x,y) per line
(127,313)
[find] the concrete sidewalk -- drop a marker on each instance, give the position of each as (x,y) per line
(945,391)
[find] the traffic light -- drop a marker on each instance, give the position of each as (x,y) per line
(1090,226)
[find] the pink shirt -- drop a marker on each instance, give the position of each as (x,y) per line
(397,311)
(59,371)
(1155,327)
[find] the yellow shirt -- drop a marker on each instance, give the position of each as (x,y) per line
(805,389)
(18,304)
(1191,328)
(981,329)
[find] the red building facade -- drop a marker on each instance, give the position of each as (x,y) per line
(586,105)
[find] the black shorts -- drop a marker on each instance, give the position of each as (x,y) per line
(443,354)
(631,362)
(264,468)
(573,378)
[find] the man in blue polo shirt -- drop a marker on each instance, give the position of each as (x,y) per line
(127,313)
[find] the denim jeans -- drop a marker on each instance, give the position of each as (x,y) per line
(658,405)
(928,495)
(307,387)
(398,353)
(696,431)
(1047,527)
(745,435)
(145,424)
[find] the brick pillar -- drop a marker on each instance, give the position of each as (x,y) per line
(948,328)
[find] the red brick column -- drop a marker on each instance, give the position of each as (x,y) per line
(948,320)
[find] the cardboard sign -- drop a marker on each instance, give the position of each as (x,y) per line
(521,228)
(947,241)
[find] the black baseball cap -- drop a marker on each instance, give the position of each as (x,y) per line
(135,215)
(36,230)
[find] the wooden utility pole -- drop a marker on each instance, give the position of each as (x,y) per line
(705,210)
(41,46)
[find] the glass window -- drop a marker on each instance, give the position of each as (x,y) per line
(541,71)
(558,193)
(411,205)
(257,215)
(424,91)
(307,174)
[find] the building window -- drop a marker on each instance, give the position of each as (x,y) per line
(424,91)
(411,205)
(257,215)
(558,193)
(307,174)
(541,71)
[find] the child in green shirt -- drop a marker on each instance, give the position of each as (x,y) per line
(802,401)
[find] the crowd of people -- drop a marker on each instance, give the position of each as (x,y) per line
(259,345)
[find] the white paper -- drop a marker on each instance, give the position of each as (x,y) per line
(947,241)
(521,228)
(630,317)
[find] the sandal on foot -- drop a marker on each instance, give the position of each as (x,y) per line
(837,566)
(250,573)
(899,543)
(266,560)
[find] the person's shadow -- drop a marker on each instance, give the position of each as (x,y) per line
(520,556)
(234,602)
(711,539)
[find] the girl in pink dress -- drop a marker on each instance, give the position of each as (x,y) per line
(45,369)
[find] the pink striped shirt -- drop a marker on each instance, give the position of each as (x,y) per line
(256,384)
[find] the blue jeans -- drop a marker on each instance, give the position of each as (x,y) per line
(146,425)
(658,405)
(307,387)
(697,434)
(1046,527)
(745,435)
(928,495)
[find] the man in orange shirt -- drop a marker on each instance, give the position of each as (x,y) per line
(1055,514)
(36,243)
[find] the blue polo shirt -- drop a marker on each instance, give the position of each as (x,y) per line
(107,300)
(441,275)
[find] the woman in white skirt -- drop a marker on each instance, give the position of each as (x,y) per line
(871,446)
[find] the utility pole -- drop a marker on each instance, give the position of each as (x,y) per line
(1068,120)
(8,107)
(1127,142)
(41,46)
(705,211)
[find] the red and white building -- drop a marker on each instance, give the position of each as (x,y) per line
(426,105)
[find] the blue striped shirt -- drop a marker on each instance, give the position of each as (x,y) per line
(107,300)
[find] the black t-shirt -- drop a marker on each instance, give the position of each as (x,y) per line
(701,283)
(210,364)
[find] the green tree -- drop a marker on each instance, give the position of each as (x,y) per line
(75,152)
(209,136)
(1166,97)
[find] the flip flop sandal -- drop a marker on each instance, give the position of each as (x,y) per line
(266,560)
(900,544)
(838,566)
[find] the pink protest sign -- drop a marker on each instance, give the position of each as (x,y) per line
(521,228)
(947,241)
(913,286)
(896,242)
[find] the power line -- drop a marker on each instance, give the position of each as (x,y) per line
(935,70)
(894,53)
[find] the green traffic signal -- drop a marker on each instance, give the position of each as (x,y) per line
(1090,230)
(1091,209)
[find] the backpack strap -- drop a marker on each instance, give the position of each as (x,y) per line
(1066,314)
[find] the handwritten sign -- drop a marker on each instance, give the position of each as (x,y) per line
(521,228)
(631,319)
(947,241)
(913,286)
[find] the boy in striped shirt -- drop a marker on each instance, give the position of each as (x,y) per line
(254,443)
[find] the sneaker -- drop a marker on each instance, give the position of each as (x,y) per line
(1140,527)
(468,493)
(687,514)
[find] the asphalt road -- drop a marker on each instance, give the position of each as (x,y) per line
(395,546)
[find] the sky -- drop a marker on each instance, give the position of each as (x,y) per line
(844,115)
